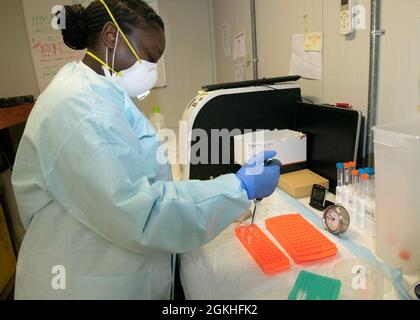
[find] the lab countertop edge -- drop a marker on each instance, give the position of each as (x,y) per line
(15,115)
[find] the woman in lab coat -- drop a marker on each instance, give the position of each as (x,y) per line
(103,217)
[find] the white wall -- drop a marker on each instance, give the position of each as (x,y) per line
(188,57)
(189,61)
(277,21)
(399,99)
(346,59)
(17,75)
(238,14)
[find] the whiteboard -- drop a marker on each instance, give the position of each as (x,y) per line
(48,50)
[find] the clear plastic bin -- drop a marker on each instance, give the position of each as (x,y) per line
(397,161)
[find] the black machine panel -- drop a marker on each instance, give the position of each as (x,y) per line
(333,136)
(333,133)
(269,110)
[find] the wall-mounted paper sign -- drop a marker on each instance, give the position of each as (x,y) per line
(240,72)
(239,46)
(227,39)
(307,64)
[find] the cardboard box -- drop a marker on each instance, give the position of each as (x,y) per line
(7,255)
(299,184)
(289,145)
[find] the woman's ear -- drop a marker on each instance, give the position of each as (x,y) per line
(109,35)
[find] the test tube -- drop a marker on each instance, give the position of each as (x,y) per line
(347,167)
(348,187)
(352,167)
(364,188)
(355,181)
(364,185)
(340,174)
(371,173)
(354,198)
(361,173)
(371,193)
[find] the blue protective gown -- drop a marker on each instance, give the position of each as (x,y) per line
(95,201)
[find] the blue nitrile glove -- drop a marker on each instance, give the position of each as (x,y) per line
(258,178)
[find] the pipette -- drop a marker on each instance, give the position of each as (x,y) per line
(257,201)
(255,210)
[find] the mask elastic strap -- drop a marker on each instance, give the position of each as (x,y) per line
(120,30)
(102,62)
(115,50)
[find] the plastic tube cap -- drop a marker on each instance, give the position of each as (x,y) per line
(365,177)
(340,166)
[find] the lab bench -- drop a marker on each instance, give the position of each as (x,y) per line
(223,269)
(11,117)
(10,235)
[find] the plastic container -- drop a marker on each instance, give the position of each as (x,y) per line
(397,159)
(157,119)
(361,280)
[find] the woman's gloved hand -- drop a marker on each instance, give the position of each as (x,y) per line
(258,178)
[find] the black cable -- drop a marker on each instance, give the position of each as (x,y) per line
(290,94)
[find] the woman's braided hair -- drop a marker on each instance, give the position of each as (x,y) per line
(83,25)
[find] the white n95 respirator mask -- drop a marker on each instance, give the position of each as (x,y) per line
(137,80)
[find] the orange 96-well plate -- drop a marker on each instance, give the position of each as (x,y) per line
(301,240)
(265,253)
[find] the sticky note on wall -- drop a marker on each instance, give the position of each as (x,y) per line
(314,41)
